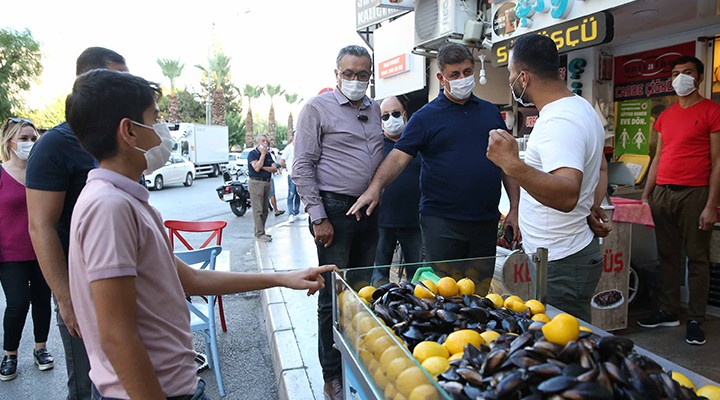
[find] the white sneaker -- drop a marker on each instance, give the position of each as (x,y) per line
(291,219)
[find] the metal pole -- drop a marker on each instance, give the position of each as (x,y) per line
(540,259)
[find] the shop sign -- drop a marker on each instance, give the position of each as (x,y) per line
(633,127)
(401,4)
(572,35)
(513,18)
(368,13)
(394,66)
(647,74)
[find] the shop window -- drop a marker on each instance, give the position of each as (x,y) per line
(716,71)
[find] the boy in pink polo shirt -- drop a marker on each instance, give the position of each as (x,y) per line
(127,288)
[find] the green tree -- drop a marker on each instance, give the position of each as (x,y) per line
(51,115)
(19,67)
(291,98)
(172,70)
(272,91)
(251,92)
(191,107)
(236,130)
(281,134)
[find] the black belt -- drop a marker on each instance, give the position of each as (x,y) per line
(260,179)
(338,196)
(675,187)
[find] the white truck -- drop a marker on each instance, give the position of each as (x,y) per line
(206,146)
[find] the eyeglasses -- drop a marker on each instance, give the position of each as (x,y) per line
(395,114)
(361,76)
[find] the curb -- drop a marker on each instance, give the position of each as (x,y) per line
(293,382)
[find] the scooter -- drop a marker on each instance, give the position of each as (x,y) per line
(235,191)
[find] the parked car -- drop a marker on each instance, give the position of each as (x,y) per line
(238,161)
(176,170)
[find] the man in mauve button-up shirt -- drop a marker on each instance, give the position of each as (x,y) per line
(338,147)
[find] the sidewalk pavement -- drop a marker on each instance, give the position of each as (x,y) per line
(291,316)
(291,322)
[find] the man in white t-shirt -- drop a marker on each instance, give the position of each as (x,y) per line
(561,179)
(293,198)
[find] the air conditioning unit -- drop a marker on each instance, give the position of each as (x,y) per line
(438,20)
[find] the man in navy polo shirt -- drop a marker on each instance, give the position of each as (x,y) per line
(460,186)
(261,169)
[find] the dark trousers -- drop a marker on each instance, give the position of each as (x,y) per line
(447,239)
(676,214)
(77,363)
(23,284)
(410,240)
(571,281)
(353,245)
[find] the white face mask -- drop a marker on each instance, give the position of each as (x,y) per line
(23,149)
(157,156)
(461,89)
(354,90)
(394,126)
(519,98)
(684,85)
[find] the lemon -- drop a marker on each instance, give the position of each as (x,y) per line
(456,356)
(390,391)
(380,379)
(366,293)
(466,286)
(436,365)
(425,292)
(541,318)
(365,356)
(424,392)
(374,333)
(363,322)
(379,345)
(562,329)
(456,341)
(447,287)
(410,379)
(396,367)
(389,355)
(399,396)
(683,380)
(373,366)
(517,306)
(710,391)
(496,299)
(535,307)
(489,336)
(427,349)
(511,298)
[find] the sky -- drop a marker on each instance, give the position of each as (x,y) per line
(287,42)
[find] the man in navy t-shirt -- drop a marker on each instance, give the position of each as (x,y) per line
(56,173)
(398,220)
(460,187)
(261,169)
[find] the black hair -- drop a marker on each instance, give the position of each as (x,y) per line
(96,57)
(453,53)
(537,54)
(353,50)
(100,99)
(699,66)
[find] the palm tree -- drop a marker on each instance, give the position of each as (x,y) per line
(272,91)
(251,92)
(291,98)
(220,68)
(172,70)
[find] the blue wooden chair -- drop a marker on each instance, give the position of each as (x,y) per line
(202,317)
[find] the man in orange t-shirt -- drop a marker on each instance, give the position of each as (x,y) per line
(683,189)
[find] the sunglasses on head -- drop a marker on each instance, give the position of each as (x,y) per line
(19,120)
(395,114)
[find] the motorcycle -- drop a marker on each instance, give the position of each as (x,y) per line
(235,191)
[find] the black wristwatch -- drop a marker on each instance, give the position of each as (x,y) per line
(318,221)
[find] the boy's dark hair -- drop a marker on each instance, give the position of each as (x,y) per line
(96,57)
(100,99)
(537,54)
(699,66)
(353,50)
(453,53)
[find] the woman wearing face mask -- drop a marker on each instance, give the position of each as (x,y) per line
(20,274)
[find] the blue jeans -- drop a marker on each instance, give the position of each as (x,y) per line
(293,198)
(411,244)
(199,394)
(354,244)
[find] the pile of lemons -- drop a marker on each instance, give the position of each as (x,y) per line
(710,392)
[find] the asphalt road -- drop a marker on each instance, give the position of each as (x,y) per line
(245,352)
